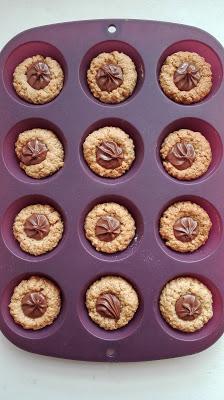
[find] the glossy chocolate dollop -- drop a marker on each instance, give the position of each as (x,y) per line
(34,304)
(109,155)
(186,77)
(182,155)
(34,152)
(188,307)
(37,226)
(38,75)
(108,306)
(185,229)
(109,77)
(107,228)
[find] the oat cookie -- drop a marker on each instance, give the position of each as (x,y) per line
(38,80)
(186,304)
(35,303)
(186,77)
(185,226)
(112,77)
(38,229)
(109,227)
(40,152)
(186,154)
(109,151)
(111,302)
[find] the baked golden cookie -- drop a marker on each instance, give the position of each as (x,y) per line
(186,154)
(38,80)
(40,152)
(186,304)
(35,303)
(112,77)
(111,302)
(109,227)
(185,226)
(186,77)
(109,151)
(38,229)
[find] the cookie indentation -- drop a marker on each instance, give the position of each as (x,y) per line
(108,306)
(109,77)
(38,75)
(37,226)
(34,304)
(182,155)
(33,152)
(107,228)
(188,307)
(186,77)
(109,155)
(185,229)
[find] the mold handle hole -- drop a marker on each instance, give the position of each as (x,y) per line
(112,29)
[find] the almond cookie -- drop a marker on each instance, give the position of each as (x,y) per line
(40,152)
(112,77)
(186,304)
(185,226)
(38,229)
(35,303)
(186,77)
(111,302)
(38,80)
(186,154)
(109,227)
(109,151)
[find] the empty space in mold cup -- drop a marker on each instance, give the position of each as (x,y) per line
(8,220)
(26,50)
(134,134)
(209,331)
(196,125)
(133,246)
(8,151)
(213,241)
(107,47)
(203,50)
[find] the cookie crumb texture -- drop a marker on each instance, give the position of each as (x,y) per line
(49,242)
(180,210)
(39,285)
(41,96)
(172,292)
(123,291)
(126,228)
(55,153)
(202,149)
(170,66)
(109,134)
(128,84)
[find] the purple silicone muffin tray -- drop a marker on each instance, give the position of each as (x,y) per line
(146,189)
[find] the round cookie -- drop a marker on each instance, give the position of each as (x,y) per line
(112,77)
(186,304)
(185,226)
(35,303)
(186,77)
(109,227)
(109,151)
(40,152)
(38,80)
(186,154)
(38,229)
(111,302)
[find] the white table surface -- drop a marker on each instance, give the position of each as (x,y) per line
(27,376)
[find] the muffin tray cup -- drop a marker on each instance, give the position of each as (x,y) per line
(146,189)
